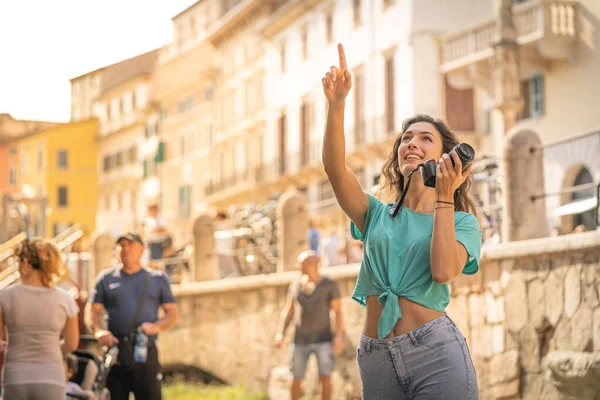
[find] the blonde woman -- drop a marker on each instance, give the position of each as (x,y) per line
(36,315)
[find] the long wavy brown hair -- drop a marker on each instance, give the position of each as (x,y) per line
(43,256)
(392,184)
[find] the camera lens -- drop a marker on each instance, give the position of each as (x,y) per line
(465,152)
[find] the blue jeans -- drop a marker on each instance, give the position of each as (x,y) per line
(301,352)
(429,362)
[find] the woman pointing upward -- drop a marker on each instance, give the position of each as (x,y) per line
(409,348)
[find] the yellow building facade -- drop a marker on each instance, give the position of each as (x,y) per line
(60,165)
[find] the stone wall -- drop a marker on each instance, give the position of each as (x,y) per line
(227,328)
(531,317)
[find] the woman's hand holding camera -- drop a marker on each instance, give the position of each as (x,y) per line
(449,177)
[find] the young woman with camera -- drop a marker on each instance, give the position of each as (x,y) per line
(409,347)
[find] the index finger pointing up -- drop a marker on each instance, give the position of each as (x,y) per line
(342,57)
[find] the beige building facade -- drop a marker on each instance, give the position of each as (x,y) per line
(184,93)
(393,56)
(559,77)
(122,107)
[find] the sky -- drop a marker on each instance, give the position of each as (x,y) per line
(45,43)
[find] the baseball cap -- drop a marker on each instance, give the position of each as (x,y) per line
(132,237)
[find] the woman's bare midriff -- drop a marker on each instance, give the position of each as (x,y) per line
(413,316)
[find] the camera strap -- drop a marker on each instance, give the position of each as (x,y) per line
(396,207)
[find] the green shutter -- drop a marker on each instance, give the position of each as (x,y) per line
(160,153)
(536,93)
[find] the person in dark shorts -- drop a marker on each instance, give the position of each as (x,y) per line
(119,292)
(309,301)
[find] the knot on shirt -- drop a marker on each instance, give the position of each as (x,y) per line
(390,313)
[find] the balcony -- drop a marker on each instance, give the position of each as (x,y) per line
(547,31)
(124,121)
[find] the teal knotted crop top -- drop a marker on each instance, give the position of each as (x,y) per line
(396,259)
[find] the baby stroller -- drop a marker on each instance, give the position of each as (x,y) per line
(93,370)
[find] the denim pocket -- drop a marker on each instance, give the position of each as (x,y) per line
(362,348)
(438,335)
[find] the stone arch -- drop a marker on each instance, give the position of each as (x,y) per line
(524,215)
(173,372)
(576,174)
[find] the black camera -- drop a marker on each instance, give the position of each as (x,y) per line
(464,151)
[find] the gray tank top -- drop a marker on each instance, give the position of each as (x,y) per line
(35,318)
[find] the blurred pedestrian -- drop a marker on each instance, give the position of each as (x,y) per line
(36,314)
(131,295)
(309,301)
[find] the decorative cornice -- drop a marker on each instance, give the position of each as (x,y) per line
(287,15)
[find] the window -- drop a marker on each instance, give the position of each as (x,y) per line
(359,106)
(389,92)
(325,190)
(106,163)
(387,3)
(260,93)
(23,163)
(63,196)
(62,159)
(184,201)
(75,113)
(248,96)
(304,132)
(304,39)
(150,168)
(182,145)
(209,134)
(282,56)
(586,218)
(208,94)
(40,159)
(459,108)
(118,159)
(12,151)
(132,154)
(12,175)
(536,91)
(532,92)
(133,99)
(164,113)
(282,144)
(356,15)
(329,26)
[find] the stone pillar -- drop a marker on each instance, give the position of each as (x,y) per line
(506,81)
(206,265)
(523,171)
(103,246)
(292,220)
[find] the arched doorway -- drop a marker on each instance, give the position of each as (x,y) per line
(586,218)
